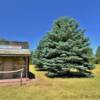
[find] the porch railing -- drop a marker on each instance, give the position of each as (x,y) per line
(15,71)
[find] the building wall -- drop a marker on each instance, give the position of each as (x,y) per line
(11,64)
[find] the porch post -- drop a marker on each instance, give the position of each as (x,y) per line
(21,76)
(26,66)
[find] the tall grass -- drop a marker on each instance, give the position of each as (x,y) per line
(43,88)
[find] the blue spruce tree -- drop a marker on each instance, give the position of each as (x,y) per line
(64,48)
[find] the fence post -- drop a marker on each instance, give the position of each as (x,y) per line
(21,76)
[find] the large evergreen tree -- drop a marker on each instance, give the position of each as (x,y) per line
(64,48)
(98,55)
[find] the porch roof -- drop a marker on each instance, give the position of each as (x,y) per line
(15,52)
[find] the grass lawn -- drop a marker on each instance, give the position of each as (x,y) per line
(44,88)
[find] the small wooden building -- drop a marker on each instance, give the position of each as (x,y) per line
(14,56)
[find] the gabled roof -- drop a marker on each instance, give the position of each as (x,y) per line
(24,44)
(12,48)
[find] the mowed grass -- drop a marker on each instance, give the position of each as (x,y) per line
(43,88)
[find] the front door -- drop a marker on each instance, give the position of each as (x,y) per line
(8,66)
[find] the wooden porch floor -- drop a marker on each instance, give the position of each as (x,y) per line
(4,82)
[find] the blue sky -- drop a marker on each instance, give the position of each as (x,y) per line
(29,20)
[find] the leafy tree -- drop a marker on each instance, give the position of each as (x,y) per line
(36,61)
(30,61)
(64,48)
(98,55)
(91,55)
(90,52)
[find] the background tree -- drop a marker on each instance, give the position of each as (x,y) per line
(64,48)
(98,55)
(91,55)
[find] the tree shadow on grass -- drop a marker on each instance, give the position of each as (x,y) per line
(70,75)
